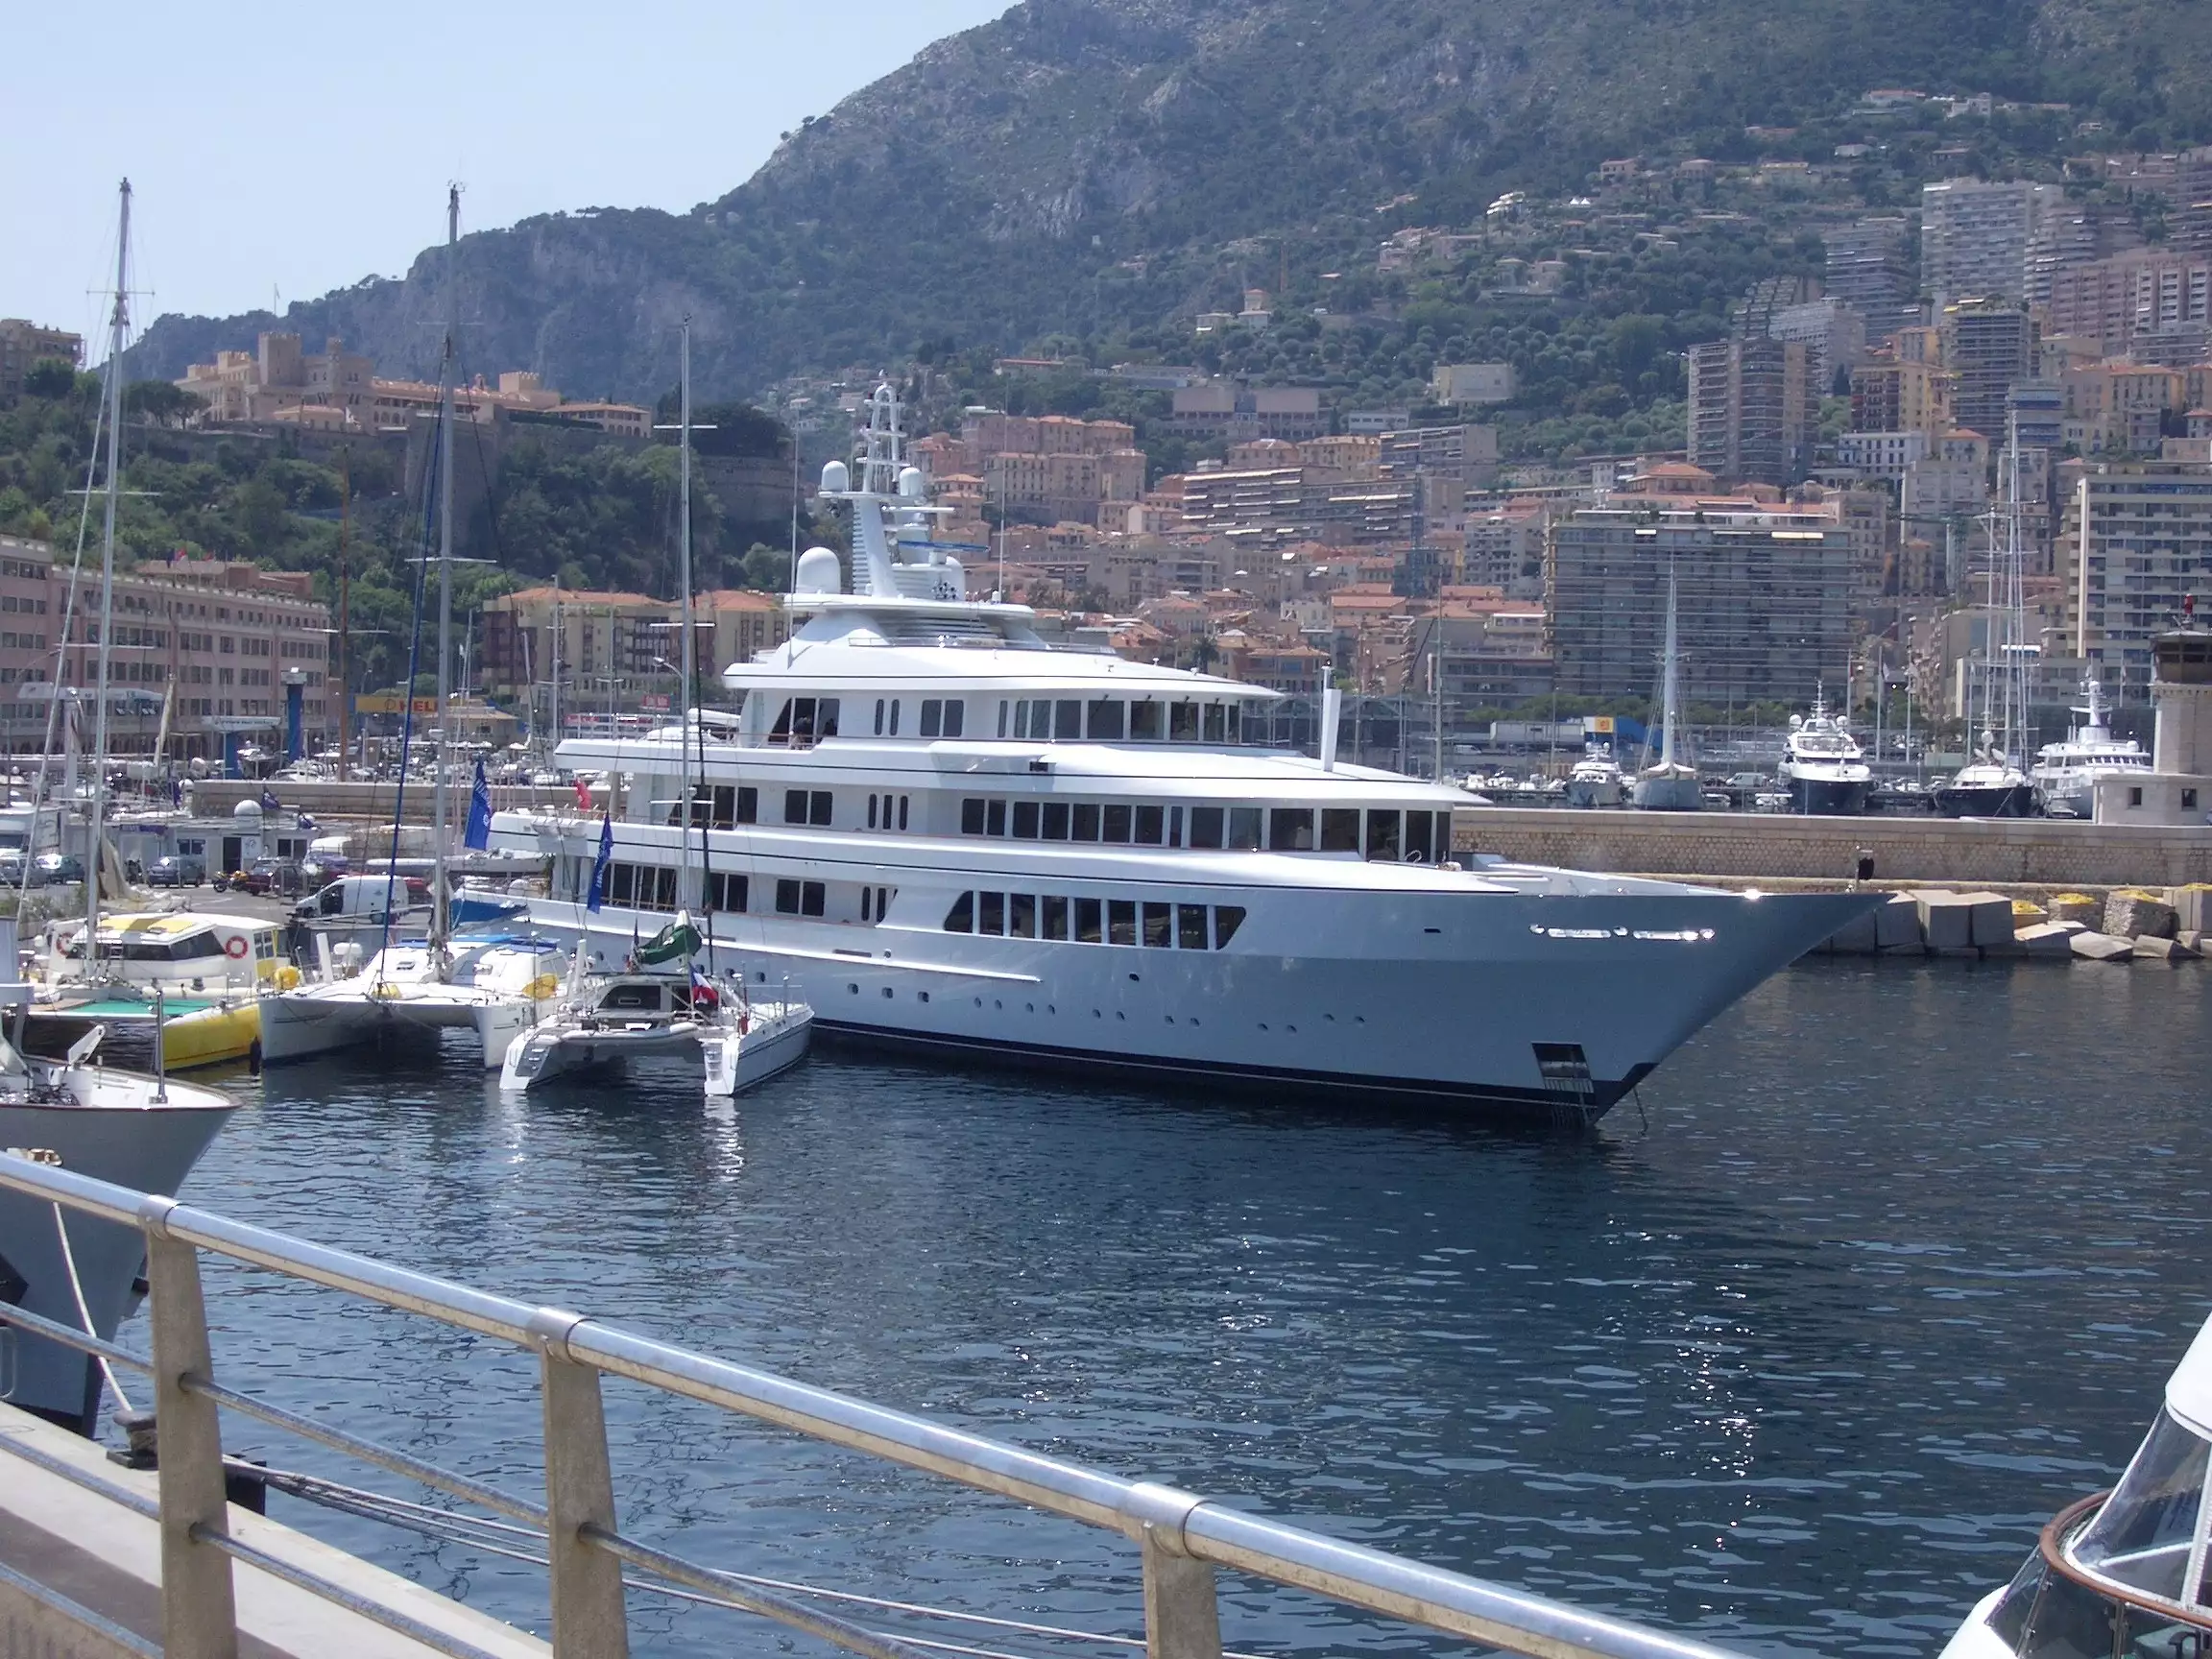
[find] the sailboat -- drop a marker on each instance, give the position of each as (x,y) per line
(419,989)
(1668,784)
(1995,784)
(137,1131)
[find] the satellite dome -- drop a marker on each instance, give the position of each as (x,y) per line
(912,485)
(819,571)
(837,478)
(247,808)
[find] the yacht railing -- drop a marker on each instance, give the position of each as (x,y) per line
(1182,1539)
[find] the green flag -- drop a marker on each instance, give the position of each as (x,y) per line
(678,942)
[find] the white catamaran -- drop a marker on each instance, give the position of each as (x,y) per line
(943,833)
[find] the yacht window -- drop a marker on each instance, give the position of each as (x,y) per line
(1227,919)
(780,732)
(1055,820)
(1024,820)
(1105,720)
(1087,927)
(1244,828)
(1290,829)
(801,898)
(2142,1535)
(825,717)
(724,806)
(879,716)
(1175,826)
(1383,836)
(903,800)
(1117,824)
(1235,709)
(1147,722)
(1021,916)
(1339,829)
(1084,822)
(1159,926)
(995,817)
(2188,799)
(727,893)
(748,805)
(1216,727)
(870,811)
(894,716)
(1151,826)
(955,716)
(992,918)
(933,715)
(1183,723)
(1206,826)
(971,815)
(1055,918)
(1067,720)
(1418,849)
(961,918)
(865,894)
(621,883)
(1121,920)
(794,806)
(1002,719)
(1189,926)
(631,1000)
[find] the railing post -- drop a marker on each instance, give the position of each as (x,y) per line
(1182,1618)
(199,1613)
(589,1619)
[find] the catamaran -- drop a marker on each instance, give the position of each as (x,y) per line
(947,835)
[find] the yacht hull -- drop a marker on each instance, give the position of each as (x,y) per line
(1828,797)
(1987,801)
(1669,795)
(150,1148)
(326,1020)
(1527,1005)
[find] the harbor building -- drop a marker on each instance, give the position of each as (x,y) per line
(2177,789)
(1764,610)
(2135,555)
(23,343)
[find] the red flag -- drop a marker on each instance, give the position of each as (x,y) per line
(583,794)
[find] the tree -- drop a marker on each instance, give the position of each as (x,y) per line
(50,377)
(160,402)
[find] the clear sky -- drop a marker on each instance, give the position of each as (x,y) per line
(297,149)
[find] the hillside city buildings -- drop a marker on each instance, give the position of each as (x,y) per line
(23,344)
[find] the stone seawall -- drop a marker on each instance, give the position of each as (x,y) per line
(1982,852)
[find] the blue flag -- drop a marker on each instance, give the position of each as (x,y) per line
(479,835)
(600,863)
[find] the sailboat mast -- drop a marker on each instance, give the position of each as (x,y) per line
(2015,661)
(445,400)
(1667,682)
(685,658)
(117,325)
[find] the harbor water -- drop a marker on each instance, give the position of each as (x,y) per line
(1890,1263)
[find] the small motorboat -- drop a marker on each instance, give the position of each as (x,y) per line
(683,1018)
(2123,1572)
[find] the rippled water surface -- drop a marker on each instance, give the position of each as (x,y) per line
(1898,1266)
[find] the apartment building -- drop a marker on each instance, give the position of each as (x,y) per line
(2135,543)
(1833,336)
(1893,393)
(1975,236)
(1753,408)
(1765,608)
(1223,410)
(2117,300)
(611,651)
(223,639)
(1869,270)
(1990,346)
(23,342)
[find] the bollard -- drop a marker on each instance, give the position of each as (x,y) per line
(588,1618)
(199,1613)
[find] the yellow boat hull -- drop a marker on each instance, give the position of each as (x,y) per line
(211,1036)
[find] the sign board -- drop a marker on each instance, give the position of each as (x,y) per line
(241,723)
(654,700)
(392,703)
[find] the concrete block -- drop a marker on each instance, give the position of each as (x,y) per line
(2190,937)
(2076,907)
(2153,949)
(2101,947)
(2025,913)
(1990,918)
(2192,907)
(1946,921)
(2131,913)
(2047,939)
(1857,938)
(1897,924)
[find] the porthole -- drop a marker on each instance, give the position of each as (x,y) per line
(1291,1029)
(854,988)
(1118,1015)
(1029,1007)
(978,1001)
(921,995)
(995,1004)
(1262,1024)
(1170,1019)
(1330,1018)
(887,991)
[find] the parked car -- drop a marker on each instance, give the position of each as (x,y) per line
(56,867)
(364,897)
(280,876)
(172,870)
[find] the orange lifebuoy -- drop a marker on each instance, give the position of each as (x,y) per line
(235,947)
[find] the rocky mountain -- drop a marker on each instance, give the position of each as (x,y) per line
(1083,166)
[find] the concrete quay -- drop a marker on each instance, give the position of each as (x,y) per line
(80,1551)
(373,800)
(2057,854)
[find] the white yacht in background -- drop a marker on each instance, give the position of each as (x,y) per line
(2123,1572)
(1595,780)
(944,834)
(2065,774)
(1823,768)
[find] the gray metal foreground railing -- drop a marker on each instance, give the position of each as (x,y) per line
(1182,1539)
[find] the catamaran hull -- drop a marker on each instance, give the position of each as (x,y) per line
(1524,1005)
(300,1025)
(150,1148)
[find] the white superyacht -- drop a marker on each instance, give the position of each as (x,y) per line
(2065,774)
(946,834)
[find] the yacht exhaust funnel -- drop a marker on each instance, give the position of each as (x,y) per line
(1331,718)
